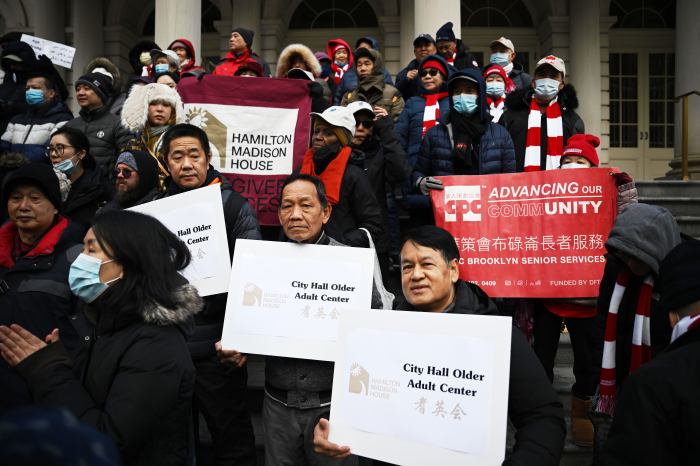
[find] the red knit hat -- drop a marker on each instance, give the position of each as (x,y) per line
(432,63)
(495,69)
(584,146)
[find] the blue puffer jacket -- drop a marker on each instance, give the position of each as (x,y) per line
(495,148)
(409,129)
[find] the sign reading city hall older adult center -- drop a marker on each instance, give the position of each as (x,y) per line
(285,299)
(258,131)
(197,218)
(420,388)
(535,235)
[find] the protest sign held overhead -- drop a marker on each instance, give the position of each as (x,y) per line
(59,54)
(439,396)
(258,131)
(537,235)
(285,299)
(197,218)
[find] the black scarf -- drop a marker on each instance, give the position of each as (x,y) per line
(324,156)
(466,134)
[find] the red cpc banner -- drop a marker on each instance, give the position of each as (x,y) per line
(530,235)
(258,131)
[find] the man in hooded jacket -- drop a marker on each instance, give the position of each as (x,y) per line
(349,80)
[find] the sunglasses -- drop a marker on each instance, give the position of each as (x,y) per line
(368,124)
(125,172)
(428,71)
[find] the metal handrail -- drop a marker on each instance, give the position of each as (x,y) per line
(684,145)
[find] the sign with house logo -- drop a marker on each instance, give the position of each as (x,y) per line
(285,299)
(438,396)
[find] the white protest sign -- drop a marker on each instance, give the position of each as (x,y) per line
(248,140)
(59,54)
(197,218)
(417,388)
(285,299)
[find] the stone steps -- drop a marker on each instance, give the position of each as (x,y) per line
(682,198)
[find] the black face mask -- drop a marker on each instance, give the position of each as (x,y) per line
(324,155)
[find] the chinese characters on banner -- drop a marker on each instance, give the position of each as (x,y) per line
(534,235)
(258,131)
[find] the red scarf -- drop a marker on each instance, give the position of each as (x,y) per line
(555,137)
(431,113)
(641,340)
(332,176)
(339,71)
(496,107)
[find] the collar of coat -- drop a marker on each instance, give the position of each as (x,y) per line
(46,244)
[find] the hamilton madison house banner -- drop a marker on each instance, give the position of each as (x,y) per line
(535,235)
(258,132)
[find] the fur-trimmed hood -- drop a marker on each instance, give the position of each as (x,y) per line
(188,303)
(519,99)
(135,110)
(284,64)
(106,63)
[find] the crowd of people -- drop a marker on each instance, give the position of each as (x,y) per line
(96,318)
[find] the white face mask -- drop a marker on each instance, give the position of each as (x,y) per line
(572,165)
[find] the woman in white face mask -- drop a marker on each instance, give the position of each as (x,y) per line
(137,377)
(87,187)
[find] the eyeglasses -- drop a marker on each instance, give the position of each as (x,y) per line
(125,172)
(58,148)
(368,124)
(428,71)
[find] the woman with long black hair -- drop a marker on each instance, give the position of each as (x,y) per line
(137,377)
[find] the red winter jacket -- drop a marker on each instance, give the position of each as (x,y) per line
(192,64)
(230,64)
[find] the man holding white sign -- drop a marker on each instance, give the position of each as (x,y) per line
(430,282)
(297,391)
(219,389)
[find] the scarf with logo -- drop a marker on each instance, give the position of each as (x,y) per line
(641,340)
(331,174)
(555,136)
(431,113)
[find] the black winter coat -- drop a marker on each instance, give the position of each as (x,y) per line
(86,195)
(241,223)
(515,121)
(533,406)
(520,78)
(34,293)
(656,418)
(106,134)
(137,381)
(385,165)
(12,89)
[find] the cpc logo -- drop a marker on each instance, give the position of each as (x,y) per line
(464,201)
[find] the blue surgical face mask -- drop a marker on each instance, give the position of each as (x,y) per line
(34,96)
(495,88)
(466,104)
(500,58)
(162,67)
(546,88)
(67,166)
(84,278)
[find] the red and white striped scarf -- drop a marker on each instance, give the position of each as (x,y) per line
(555,136)
(339,72)
(496,107)
(641,340)
(431,113)
(683,325)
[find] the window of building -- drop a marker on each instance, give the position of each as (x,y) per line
(495,13)
(316,14)
(624,92)
(644,13)
(661,105)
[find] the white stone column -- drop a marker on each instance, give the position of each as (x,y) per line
(48,19)
(583,65)
(391,43)
(407,31)
(246,14)
(687,72)
(179,19)
(430,15)
(88,35)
